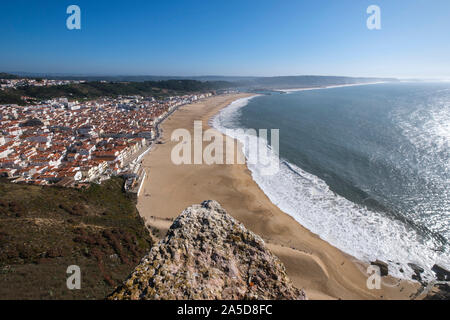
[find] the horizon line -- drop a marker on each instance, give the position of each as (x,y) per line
(440,78)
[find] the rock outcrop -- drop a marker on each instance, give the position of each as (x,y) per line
(384,269)
(439,291)
(207,254)
(441,273)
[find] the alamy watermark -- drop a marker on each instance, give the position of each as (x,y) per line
(190,150)
(374,20)
(374,279)
(73,282)
(73,21)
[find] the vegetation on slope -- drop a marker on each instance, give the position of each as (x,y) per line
(4,75)
(92,90)
(43,230)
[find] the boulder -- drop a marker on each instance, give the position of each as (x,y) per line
(418,270)
(207,254)
(439,291)
(441,273)
(384,269)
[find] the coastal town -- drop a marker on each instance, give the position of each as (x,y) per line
(74,143)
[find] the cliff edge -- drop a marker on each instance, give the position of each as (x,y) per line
(207,254)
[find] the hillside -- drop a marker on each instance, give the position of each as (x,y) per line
(95,89)
(43,230)
(243,81)
(160,86)
(308,81)
(4,75)
(207,254)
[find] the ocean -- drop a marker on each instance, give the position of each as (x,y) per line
(367,168)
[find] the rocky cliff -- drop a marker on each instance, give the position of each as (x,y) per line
(208,255)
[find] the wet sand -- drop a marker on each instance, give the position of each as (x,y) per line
(323,271)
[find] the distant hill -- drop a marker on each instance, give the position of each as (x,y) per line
(96,89)
(308,81)
(132,78)
(160,86)
(4,75)
(284,82)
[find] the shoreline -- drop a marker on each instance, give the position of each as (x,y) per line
(323,271)
(329,87)
(303,210)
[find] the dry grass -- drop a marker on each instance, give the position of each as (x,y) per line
(43,230)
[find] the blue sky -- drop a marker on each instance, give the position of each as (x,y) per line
(218,37)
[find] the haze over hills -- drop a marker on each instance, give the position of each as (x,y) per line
(106,85)
(276,82)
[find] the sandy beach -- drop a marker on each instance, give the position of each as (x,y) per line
(323,271)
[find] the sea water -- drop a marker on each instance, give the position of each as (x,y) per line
(367,168)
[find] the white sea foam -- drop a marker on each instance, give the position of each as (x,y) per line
(362,233)
(329,87)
